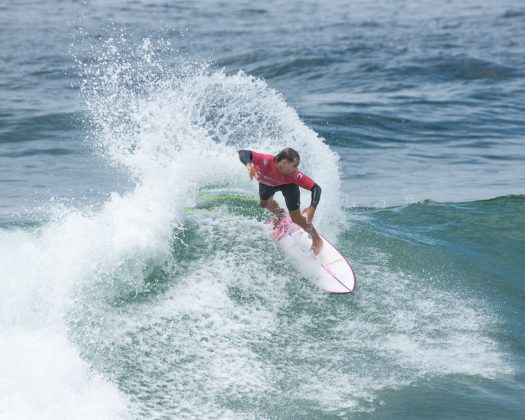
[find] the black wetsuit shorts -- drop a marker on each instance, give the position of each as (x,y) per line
(291,194)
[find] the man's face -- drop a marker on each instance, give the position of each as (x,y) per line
(287,168)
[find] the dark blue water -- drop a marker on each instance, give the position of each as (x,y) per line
(124,296)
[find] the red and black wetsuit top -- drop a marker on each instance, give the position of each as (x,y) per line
(266,168)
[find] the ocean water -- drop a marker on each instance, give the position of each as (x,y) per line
(124,295)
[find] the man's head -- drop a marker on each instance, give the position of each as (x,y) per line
(287,161)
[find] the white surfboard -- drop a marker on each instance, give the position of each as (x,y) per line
(329,270)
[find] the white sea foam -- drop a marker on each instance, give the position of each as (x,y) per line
(43,377)
(398,331)
(171,145)
(238,326)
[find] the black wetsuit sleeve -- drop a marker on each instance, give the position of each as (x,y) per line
(245,156)
(316,195)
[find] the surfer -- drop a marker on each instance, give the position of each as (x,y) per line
(280,173)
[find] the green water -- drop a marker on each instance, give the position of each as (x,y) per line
(225,325)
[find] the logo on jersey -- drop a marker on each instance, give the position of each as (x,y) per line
(299,175)
(265,179)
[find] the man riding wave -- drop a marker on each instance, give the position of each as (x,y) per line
(280,173)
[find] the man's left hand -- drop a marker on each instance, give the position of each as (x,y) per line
(309,214)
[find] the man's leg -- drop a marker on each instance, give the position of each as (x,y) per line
(300,220)
(292,197)
(271,205)
(267,202)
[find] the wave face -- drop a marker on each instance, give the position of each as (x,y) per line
(175,134)
(138,276)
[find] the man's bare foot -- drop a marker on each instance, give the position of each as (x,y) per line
(317,244)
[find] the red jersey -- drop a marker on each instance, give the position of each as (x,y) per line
(266,169)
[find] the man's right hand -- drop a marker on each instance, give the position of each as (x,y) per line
(251,171)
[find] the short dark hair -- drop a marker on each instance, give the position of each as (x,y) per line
(289,154)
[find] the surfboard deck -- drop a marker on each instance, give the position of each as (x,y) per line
(329,270)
